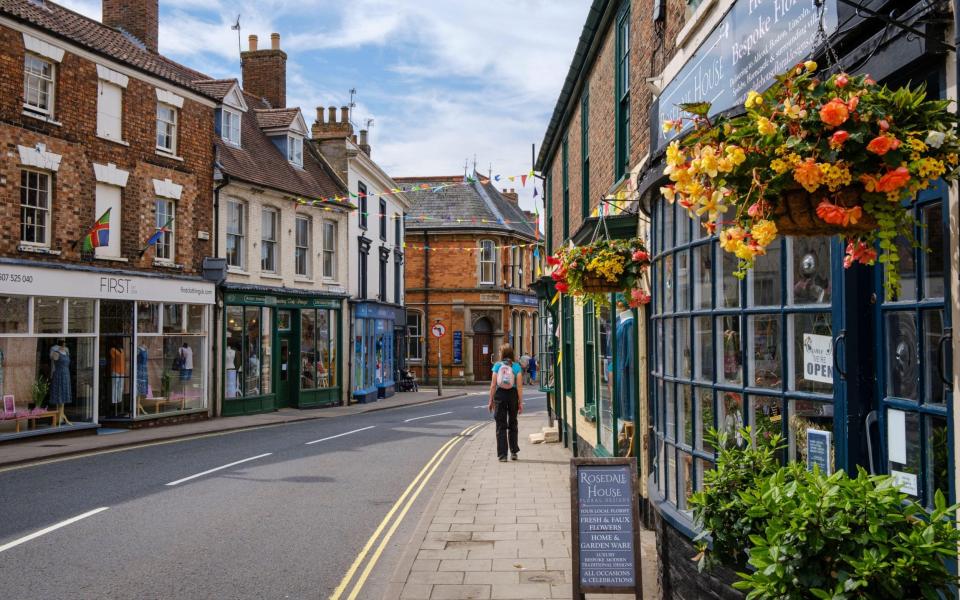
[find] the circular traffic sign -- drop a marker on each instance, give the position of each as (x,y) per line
(438,330)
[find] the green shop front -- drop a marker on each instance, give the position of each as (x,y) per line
(280,351)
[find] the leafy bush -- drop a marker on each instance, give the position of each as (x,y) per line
(809,535)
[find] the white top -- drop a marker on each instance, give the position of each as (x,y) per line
(186,355)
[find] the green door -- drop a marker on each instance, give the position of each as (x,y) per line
(286,376)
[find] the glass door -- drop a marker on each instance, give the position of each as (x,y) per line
(285,379)
(116,359)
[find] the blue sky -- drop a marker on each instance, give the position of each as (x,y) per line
(444,80)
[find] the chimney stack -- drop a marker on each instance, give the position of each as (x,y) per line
(265,71)
(364,143)
(139,18)
(332,129)
(511,195)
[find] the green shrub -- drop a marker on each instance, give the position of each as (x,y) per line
(719,509)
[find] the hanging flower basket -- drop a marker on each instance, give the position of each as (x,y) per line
(603,267)
(814,157)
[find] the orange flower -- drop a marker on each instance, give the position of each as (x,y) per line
(834,112)
(893,180)
(869,182)
(807,174)
(859,252)
(882,144)
(838,215)
(853,102)
(838,138)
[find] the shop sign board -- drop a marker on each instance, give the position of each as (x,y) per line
(818,450)
(110,285)
(818,358)
(457,347)
(284,301)
(605,517)
(522,300)
(755,41)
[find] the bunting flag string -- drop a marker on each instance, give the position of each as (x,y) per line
(407,246)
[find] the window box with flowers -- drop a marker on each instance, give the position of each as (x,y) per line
(814,156)
(592,271)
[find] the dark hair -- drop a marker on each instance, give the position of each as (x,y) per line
(506,352)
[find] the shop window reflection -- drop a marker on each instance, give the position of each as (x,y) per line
(903,362)
(730,359)
(48,315)
(763,333)
(804,415)
(14,314)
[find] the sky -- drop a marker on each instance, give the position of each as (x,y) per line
(443,80)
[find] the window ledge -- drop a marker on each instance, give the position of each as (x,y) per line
(169,155)
(696,20)
(166,264)
(41,117)
(302,280)
(112,258)
(38,250)
(272,276)
(121,142)
(237,271)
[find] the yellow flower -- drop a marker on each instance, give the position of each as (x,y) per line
(731,237)
(748,251)
(779,166)
(764,232)
(808,175)
(765,126)
(725,165)
(810,66)
(736,154)
(953,158)
(675,155)
(753,99)
(706,163)
(916,144)
(713,205)
(792,110)
(669,193)
(931,168)
(835,175)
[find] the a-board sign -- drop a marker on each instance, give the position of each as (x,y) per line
(605,525)
(818,450)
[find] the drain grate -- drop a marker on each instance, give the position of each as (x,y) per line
(53,445)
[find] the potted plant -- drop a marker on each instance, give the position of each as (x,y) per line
(814,156)
(602,267)
(38,392)
(165,380)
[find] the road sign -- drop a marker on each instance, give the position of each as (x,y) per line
(438,330)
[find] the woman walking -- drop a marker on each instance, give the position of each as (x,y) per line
(506,401)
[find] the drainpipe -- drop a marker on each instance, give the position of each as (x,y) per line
(223,180)
(426,306)
(350,351)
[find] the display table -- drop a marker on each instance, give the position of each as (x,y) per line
(31,419)
(158,404)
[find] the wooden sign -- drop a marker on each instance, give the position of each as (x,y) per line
(605,522)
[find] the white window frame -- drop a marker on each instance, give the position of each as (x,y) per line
(415,336)
(302,247)
(491,262)
(295,150)
(170,126)
(45,212)
(102,130)
(330,234)
(230,127)
(166,209)
(50,82)
(239,235)
(266,242)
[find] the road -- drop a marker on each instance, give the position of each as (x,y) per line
(278,512)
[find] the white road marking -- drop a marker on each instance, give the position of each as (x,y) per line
(207,472)
(340,435)
(481,406)
(450,412)
(47,530)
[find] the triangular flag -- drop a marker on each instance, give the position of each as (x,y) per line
(523,180)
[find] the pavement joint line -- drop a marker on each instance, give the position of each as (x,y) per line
(449,412)
(51,528)
(214,470)
(396,523)
(199,436)
(340,435)
(348,576)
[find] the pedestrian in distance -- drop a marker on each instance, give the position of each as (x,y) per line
(506,401)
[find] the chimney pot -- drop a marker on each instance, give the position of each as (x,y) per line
(354,138)
(274,41)
(332,114)
(265,71)
(319,114)
(253,43)
(344,114)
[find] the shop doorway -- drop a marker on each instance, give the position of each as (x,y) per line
(286,378)
(482,349)
(116,359)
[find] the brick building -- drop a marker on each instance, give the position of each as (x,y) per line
(94,123)
(285,316)
(470,260)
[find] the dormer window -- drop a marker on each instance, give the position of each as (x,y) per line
(295,150)
(230,127)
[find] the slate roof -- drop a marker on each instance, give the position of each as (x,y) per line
(215,88)
(270,118)
(93,35)
(261,163)
(476,205)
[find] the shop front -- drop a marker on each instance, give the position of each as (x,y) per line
(374,327)
(280,350)
(79,347)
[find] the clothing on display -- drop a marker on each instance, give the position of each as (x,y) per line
(60,392)
(118,371)
(186,363)
(232,391)
(142,370)
(626,384)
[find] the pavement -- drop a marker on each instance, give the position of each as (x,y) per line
(500,530)
(52,446)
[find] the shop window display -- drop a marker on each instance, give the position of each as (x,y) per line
(318,350)
(247,354)
(170,358)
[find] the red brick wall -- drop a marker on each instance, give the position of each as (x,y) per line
(265,75)
(138,17)
(76,141)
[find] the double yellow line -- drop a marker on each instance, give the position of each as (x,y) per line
(405,501)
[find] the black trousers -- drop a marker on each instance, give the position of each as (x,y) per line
(506,404)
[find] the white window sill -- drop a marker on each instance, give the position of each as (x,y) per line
(166,154)
(237,271)
(302,280)
(112,258)
(121,142)
(41,117)
(695,22)
(38,249)
(230,142)
(166,264)
(268,275)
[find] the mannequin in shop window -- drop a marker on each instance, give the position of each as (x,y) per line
(60,392)
(118,372)
(142,385)
(186,366)
(231,362)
